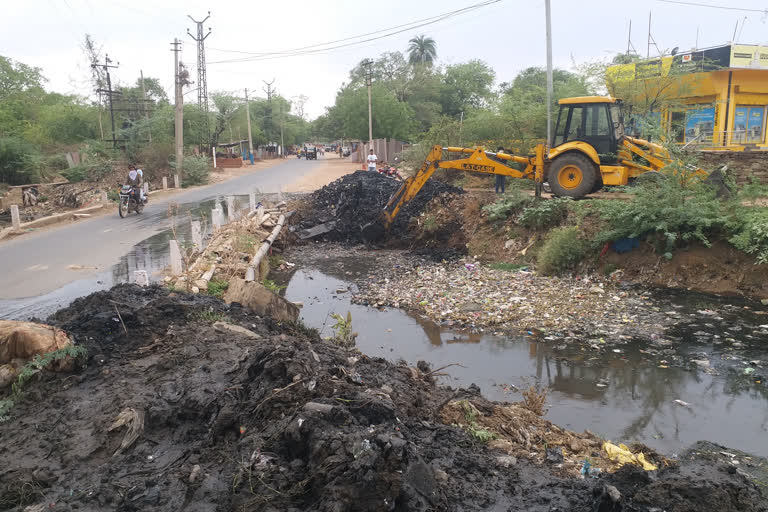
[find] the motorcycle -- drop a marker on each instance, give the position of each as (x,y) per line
(129,201)
(390,172)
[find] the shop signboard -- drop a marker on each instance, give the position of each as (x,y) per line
(749,56)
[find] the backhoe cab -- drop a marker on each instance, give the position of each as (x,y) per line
(590,150)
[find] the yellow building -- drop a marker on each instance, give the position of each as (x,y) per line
(715,98)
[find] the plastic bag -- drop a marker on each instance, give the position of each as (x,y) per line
(622,454)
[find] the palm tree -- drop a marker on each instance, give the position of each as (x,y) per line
(422,50)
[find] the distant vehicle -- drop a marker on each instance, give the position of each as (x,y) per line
(346,151)
(310,153)
(328,148)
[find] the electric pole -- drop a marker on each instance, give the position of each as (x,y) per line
(179,114)
(368,82)
(248,116)
(282,124)
(144,105)
(269,91)
(548,14)
(202,80)
(106,66)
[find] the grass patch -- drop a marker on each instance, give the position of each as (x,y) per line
(245,242)
(273,286)
(562,250)
(430,223)
(209,316)
(217,287)
(35,366)
(275,261)
(508,267)
(470,416)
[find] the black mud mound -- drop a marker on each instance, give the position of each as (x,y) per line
(231,412)
(350,207)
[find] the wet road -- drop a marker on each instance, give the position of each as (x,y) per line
(43,262)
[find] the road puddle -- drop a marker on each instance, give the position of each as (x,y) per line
(622,394)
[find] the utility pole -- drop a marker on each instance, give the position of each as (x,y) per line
(368,82)
(629,37)
(269,91)
(548,14)
(202,80)
(106,66)
(144,105)
(179,114)
(648,52)
(282,124)
(248,116)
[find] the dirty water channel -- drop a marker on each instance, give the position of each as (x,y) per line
(625,396)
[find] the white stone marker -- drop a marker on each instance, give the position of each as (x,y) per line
(176,181)
(175,258)
(165,182)
(197,235)
(140,277)
(15,219)
(231,213)
(252,201)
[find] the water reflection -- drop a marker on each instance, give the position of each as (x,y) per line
(623,396)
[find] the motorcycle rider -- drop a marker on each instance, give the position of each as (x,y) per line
(136,180)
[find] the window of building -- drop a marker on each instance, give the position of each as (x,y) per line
(700,124)
(748,124)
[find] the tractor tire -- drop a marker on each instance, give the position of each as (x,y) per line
(573,175)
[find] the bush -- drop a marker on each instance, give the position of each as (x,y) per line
(196,170)
(509,204)
(561,251)
(87,172)
(667,211)
(20,162)
(545,214)
(155,157)
(751,232)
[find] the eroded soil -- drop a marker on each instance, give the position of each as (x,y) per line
(274,418)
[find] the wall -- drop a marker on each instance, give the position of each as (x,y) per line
(741,165)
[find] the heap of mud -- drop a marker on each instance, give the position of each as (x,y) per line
(187,403)
(349,208)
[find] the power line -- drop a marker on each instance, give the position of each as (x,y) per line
(725,7)
(307,49)
(440,16)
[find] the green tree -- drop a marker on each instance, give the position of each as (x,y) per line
(467,86)
(422,50)
(391,118)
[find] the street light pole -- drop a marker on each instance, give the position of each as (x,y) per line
(248,116)
(368,81)
(550,93)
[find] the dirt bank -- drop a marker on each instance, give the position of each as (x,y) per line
(222,410)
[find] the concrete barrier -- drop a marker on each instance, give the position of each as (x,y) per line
(165,182)
(175,254)
(197,235)
(15,218)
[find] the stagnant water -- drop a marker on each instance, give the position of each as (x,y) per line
(623,397)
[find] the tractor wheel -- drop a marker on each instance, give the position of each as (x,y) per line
(572,175)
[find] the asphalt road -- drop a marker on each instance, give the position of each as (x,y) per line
(40,263)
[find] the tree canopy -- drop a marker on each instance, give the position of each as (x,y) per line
(422,50)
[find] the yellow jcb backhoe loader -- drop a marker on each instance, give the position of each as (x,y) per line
(590,150)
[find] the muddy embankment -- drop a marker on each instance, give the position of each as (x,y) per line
(189,403)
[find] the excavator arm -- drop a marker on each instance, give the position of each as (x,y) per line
(476,160)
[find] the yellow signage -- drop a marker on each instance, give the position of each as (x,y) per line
(749,56)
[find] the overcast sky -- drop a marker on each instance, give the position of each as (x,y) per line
(508,35)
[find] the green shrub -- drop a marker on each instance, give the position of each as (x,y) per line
(507,205)
(561,251)
(668,212)
(56,162)
(545,214)
(196,169)
(217,287)
(751,232)
(20,162)
(87,172)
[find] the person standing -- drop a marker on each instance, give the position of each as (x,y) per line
(372,159)
(501,180)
